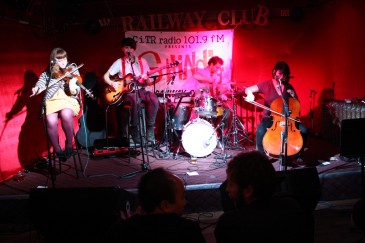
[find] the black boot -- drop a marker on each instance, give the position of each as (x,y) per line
(151,134)
(68,152)
(135,135)
(61,156)
(124,142)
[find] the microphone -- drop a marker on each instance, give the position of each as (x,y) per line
(130,57)
(54,60)
(277,78)
(172,79)
(207,143)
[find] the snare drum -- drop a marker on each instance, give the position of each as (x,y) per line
(199,138)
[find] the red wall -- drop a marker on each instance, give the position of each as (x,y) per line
(324,50)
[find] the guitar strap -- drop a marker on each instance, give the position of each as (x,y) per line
(123,67)
(140,66)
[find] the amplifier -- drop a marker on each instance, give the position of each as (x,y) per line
(109,146)
(109,151)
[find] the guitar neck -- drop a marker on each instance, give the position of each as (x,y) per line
(156,70)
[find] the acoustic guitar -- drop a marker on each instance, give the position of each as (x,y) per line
(126,85)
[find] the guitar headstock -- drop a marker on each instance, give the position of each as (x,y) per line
(173,64)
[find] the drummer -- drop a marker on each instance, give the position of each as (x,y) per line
(210,91)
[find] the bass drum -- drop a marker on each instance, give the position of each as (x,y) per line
(199,138)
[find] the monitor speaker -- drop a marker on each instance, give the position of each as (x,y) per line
(302,184)
(352,142)
(78,214)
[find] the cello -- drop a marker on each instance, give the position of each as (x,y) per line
(273,143)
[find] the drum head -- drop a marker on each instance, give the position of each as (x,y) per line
(199,138)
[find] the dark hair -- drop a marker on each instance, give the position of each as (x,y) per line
(253,169)
(284,67)
(154,187)
(358,214)
(129,42)
(215,60)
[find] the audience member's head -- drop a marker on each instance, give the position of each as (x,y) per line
(358,214)
(250,176)
(161,192)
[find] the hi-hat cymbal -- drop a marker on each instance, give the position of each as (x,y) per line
(234,93)
(235,82)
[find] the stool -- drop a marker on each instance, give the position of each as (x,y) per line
(75,152)
(127,128)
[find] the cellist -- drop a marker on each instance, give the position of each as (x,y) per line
(270,89)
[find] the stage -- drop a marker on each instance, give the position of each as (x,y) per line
(339,179)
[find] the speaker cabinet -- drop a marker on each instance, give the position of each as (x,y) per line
(301,184)
(78,214)
(352,142)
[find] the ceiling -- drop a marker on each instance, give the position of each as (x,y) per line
(59,14)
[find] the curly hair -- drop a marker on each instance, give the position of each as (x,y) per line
(214,60)
(253,169)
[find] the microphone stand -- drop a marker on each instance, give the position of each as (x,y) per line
(160,75)
(311,109)
(224,155)
(284,134)
(144,165)
(44,115)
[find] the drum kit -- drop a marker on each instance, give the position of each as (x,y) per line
(192,127)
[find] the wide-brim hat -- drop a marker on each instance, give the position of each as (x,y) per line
(129,42)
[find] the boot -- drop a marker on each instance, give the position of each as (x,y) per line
(135,135)
(151,134)
(124,142)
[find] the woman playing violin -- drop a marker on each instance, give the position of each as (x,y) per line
(60,99)
(271,91)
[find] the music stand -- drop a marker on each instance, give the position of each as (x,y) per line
(167,123)
(352,143)
(237,132)
(224,156)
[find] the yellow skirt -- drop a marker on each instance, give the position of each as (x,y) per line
(61,101)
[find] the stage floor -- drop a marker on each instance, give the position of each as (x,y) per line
(119,170)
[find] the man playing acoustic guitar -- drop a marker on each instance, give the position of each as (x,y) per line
(119,92)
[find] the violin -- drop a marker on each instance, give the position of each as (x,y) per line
(70,74)
(272,141)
